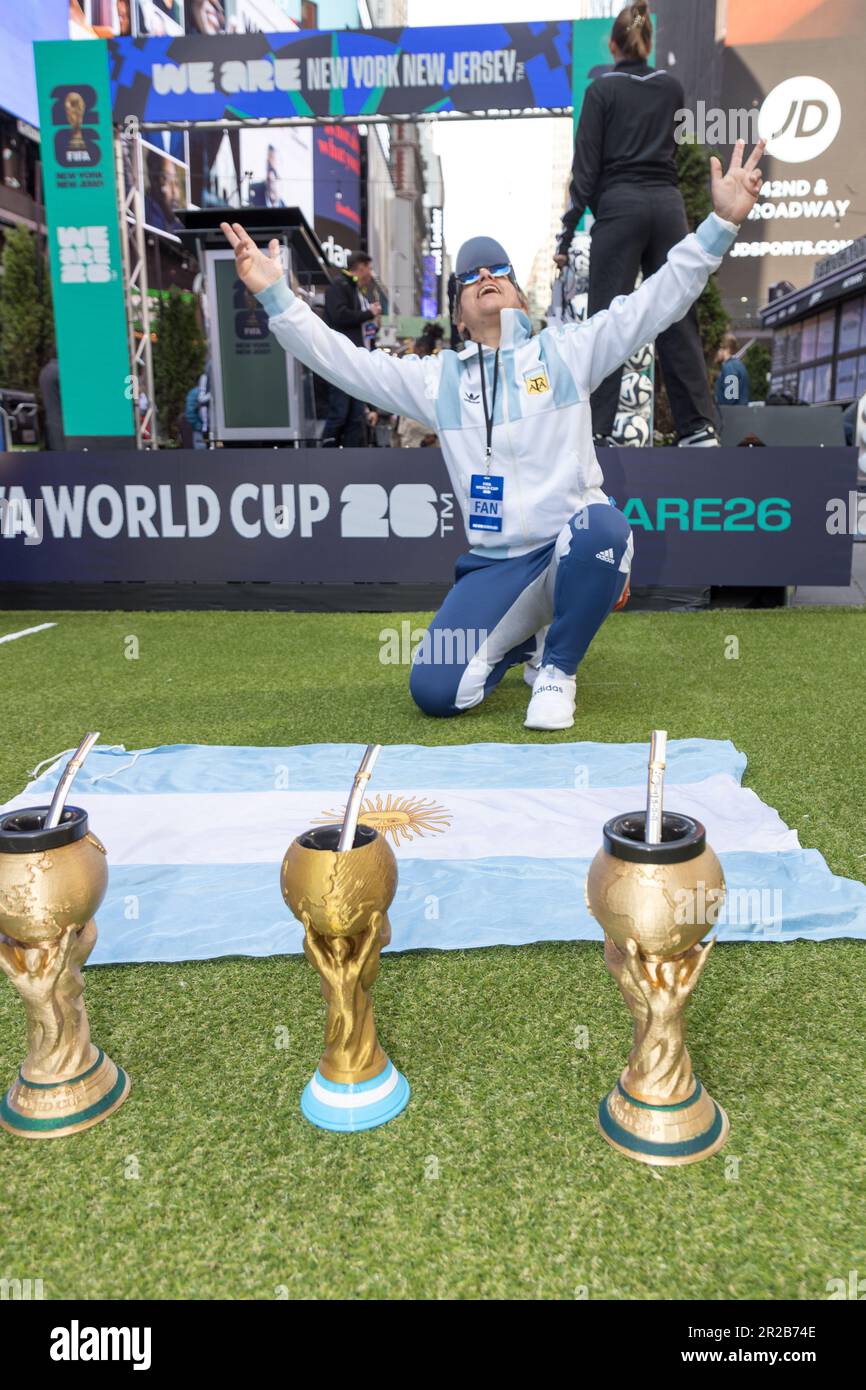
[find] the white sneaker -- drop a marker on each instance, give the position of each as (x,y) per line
(553,698)
(704,438)
(530,673)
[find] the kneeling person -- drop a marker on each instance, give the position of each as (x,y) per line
(549,554)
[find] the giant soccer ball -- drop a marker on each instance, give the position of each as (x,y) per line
(641,359)
(578,262)
(631,431)
(635,392)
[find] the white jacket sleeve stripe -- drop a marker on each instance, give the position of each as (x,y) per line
(605,341)
(402,385)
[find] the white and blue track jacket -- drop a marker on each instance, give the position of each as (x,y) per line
(542,426)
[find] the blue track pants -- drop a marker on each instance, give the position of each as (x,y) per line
(496,613)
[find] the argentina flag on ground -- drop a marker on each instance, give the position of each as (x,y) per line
(493,842)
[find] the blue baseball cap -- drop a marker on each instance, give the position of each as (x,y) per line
(480,250)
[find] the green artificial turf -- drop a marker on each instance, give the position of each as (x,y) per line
(494,1182)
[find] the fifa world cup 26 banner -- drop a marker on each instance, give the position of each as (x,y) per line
(359,73)
(84,239)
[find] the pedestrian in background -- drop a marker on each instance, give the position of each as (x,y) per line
(732,383)
(349,311)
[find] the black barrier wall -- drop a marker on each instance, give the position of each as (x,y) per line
(711,516)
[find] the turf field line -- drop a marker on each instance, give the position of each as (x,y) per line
(25,632)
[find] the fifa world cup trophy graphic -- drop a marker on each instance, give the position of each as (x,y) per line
(75,107)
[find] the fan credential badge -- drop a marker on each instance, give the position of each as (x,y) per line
(485,502)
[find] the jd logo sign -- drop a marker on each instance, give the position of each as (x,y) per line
(800,119)
(76,144)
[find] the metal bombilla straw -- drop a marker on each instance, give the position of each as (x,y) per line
(655,787)
(70,772)
(353,806)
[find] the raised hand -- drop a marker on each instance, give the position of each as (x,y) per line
(256,269)
(734,193)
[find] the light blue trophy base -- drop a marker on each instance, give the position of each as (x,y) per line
(350,1106)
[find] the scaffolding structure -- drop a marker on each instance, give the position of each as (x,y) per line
(127,148)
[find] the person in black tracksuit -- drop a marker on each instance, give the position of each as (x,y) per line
(348,311)
(624,171)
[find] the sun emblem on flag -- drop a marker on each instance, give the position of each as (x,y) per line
(398,818)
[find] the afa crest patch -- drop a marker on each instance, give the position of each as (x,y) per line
(536,381)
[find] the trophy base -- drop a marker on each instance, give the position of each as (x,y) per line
(51,1110)
(350,1106)
(666,1135)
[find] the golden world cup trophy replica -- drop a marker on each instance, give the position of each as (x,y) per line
(656,887)
(53,876)
(339,881)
